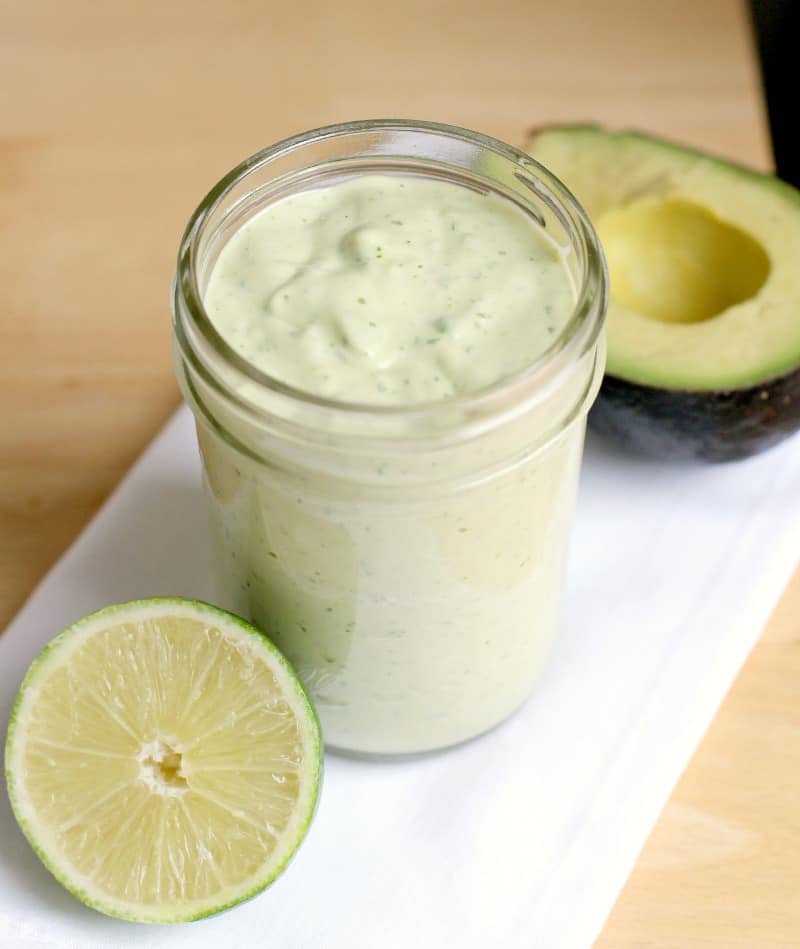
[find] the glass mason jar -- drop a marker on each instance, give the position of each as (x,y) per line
(408,560)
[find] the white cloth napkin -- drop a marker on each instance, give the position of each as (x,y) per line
(524,837)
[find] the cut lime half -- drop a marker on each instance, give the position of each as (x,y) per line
(163,760)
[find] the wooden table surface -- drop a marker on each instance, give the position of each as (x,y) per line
(117,116)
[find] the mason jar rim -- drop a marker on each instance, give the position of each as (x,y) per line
(577,336)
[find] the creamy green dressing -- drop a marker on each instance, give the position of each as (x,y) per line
(390,290)
(418,616)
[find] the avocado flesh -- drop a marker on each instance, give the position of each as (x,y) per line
(702,254)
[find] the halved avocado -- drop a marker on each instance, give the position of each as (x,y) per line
(703,328)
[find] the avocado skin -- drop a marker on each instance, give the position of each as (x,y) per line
(684,424)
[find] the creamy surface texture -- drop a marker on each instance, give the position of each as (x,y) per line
(390,290)
(419,612)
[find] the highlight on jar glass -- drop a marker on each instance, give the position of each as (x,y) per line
(390,335)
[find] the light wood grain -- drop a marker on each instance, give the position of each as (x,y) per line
(116,117)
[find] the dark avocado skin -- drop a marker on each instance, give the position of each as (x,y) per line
(676,424)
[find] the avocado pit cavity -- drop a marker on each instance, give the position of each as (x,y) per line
(676,262)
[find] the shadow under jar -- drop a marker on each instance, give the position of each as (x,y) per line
(407,558)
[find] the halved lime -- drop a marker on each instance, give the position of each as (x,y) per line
(163,760)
